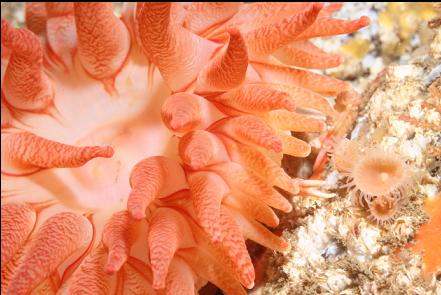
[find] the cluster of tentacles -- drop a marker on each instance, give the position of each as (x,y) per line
(139,153)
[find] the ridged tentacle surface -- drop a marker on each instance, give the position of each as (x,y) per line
(103,39)
(168,232)
(17,223)
(25,85)
(25,151)
(178,53)
(59,237)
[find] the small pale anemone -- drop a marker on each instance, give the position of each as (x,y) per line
(379,173)
(372,172)
(378,180)
(382,209)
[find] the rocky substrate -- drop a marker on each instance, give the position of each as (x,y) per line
(336,248)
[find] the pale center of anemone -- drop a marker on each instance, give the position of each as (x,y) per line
(384,176)
(382,206)
(86,115)
(377,174)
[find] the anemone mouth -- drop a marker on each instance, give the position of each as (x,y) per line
(383,209)
(128,122)
(379,173)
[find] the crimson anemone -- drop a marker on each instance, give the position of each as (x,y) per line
(139,153)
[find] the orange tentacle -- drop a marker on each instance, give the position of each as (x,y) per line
(90,278)
(203,15)
(168,232)
(35,15)
(233,241)
(24,151)
(59,237)
(250,130)
(178,53)
(331,26)
(322,84)
(147,180)
(180,278)
(17,222)
(228,69)
(256,99)
(118,237)
(267,39)
(201,148)
(103,39)
(306,55)
(241,181)
(25,85)
(207,191)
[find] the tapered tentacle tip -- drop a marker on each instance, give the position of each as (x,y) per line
(295,147)
(181,112)
(233,32)
(287,208)
(158,284)
(106,152)
(98,152)
(294,186)
(109,86)
(318,5)
(312,192)
(306,151)
(364,21)
(285,246)
(250,285)
(115,261)
(177,123)
(137,212)
(276,146)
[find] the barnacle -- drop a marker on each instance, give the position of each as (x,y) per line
(139,153)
